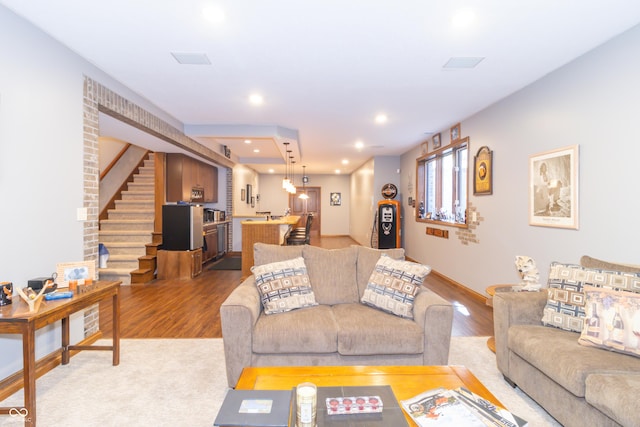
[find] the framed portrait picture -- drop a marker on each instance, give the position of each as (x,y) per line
(335,199)
(553,188)
(423,148)
(242,194)
(248,193)
(436,141)
(455,132)
(79,271)
(483,172)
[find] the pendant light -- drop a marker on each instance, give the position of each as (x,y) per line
(304,195)
(293,188)
(285,180)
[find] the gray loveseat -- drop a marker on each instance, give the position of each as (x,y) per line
(577,385)
(340,330)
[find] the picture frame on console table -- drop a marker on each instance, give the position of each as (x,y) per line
(553,188)
(80,271)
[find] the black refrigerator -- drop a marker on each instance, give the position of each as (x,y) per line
(182,227)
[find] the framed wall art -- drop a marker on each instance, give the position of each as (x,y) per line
(242,194)
(79,271)
(436,141)
(455,132)
(248,193)
(336,199)
(423,148)
(553,188)
(483,172)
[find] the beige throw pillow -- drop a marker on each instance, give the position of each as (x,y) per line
(394,284)
(612,320)
(284,286)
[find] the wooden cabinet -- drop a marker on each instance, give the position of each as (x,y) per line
(184,173)
(179,264)
(211,246)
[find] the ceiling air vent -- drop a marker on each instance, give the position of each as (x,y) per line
(463,62)
(191,58)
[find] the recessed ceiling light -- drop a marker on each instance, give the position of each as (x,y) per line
(338,171)
(256,99)
(345,161)
(463,18)
(213,14)
(247,141)
(271,171)
(190,58)
(359,145)
(463,62)
(381,118)
(256,150)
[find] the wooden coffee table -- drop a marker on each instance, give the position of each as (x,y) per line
(405,381)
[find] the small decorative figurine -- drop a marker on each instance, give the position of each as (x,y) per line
(529,274)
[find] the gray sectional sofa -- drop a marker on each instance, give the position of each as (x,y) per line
(339,330)
(578,385)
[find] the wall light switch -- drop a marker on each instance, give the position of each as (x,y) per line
(474,216)
(82,214)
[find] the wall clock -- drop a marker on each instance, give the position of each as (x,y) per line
(389,191)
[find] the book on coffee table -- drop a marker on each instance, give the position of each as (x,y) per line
(268,408)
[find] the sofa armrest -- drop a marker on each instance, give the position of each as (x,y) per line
(514,308)
(434,314)
(238,315)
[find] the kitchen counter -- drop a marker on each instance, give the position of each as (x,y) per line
(263,231)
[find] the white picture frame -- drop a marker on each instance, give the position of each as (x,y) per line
(553,188)
(79,271)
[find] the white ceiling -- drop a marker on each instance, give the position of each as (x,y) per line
(327,68)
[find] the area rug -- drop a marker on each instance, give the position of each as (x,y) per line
(182,382)
(228,263)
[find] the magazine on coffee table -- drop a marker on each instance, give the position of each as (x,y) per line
(440,407)
(492,415)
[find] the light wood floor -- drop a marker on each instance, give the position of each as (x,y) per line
(190,308)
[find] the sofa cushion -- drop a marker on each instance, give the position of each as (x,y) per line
(284,286)
(308,330)
(565,303)
(394,284)
(367,259)
(612,320)
(363,330)
(264,253)
(557,354)
(615,395)
(590,262)
(333,274)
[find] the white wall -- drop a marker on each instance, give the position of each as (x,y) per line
(333,218)
(41,164)
(592,102)
(363,203)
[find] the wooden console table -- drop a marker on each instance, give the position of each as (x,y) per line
(16,319)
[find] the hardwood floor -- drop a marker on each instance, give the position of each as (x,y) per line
(190,308)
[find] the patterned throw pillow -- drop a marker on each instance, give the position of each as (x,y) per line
(612,320)
(284,286)
(394,284)
(566,299)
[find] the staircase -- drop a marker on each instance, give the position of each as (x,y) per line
(127,233)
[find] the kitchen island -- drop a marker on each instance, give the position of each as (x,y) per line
(263,231)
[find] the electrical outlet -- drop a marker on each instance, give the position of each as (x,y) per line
(81,214)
